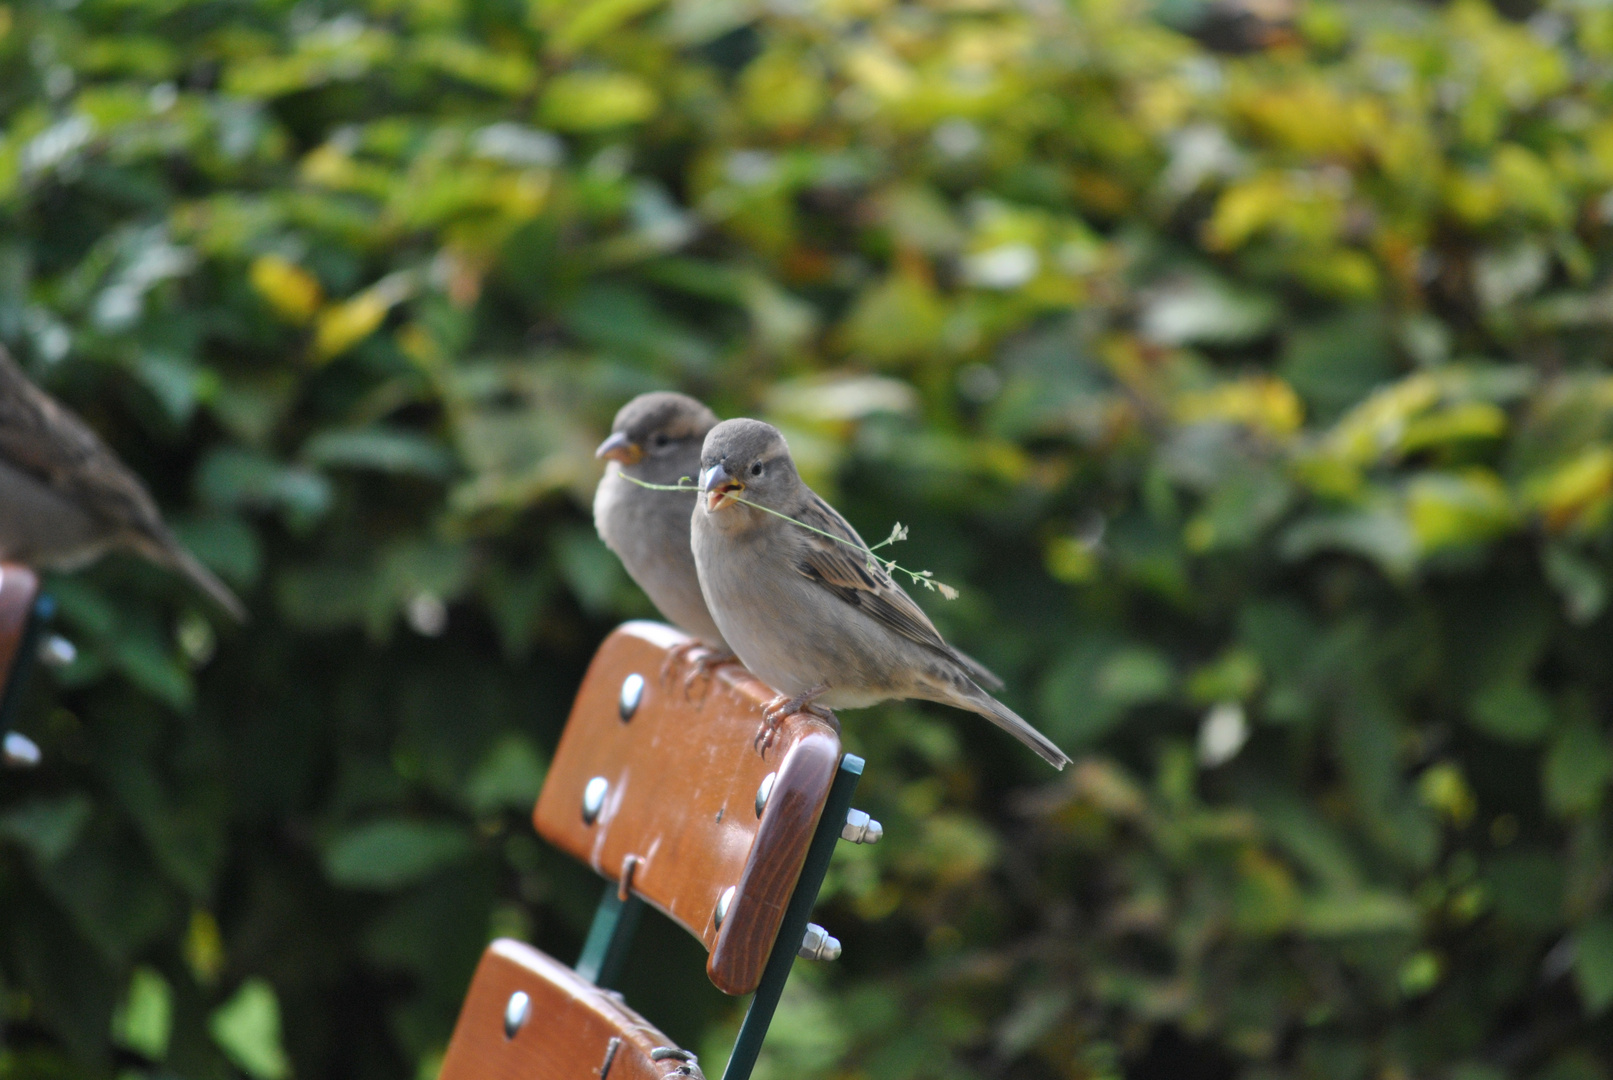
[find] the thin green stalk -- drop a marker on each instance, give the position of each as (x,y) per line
(899,532)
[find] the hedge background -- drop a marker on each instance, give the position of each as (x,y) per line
(1247,366)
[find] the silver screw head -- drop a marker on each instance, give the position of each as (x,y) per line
(765,792)
(57,651)
(20,751)
(861,829)
(593,799)
(723,903)
(818,944)
(632,694)
(516,1012)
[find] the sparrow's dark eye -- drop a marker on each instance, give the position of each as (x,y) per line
(659,439)
(756,469)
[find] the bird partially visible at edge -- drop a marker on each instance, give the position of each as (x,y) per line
(66,499)
(814,614)
(656,438)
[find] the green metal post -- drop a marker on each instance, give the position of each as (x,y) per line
(605,951)
(760,1015)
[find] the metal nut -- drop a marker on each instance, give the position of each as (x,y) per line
(632,694)
(861,829)
(57,651)
(818,944)
(765,792)
(20,752)
(723,903)
(516,1012)
(593,799)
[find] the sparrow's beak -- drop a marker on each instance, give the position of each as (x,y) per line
(719,488)
(620,448)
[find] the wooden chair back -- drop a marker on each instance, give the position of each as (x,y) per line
(21,608)
(528,1017)
(660,787)
(19,588)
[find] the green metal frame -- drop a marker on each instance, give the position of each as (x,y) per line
(27,652)
(615,920)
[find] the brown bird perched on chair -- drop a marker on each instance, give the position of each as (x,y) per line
(66,499)
(813,613)
(656,438)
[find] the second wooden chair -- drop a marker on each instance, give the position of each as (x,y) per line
(661,789)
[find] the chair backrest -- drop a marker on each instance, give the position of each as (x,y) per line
(528,1017)
(20,604)
(19,586)
(661,788)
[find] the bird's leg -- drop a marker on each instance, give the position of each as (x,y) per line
(704,665)
(676,656)
(774,712)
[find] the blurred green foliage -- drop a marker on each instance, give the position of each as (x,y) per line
(1262,404)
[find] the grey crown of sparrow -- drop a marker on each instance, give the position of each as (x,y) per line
(818,619)
(66,499)
(656,438)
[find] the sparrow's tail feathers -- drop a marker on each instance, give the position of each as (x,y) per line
(979,672)
(1016,725)
(204,579)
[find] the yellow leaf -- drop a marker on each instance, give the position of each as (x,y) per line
(341,326)
(1442,787)
(1576,489)
(1468,420)
(591,100)
(293,292)
(1447,510)
(1071,560)
(880,72)
(1376,426)
(1260,403)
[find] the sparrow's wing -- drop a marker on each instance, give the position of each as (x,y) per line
(39,436)
(853,574)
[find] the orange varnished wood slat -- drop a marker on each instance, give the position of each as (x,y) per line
(683,775)
(568,1032)
(19,586)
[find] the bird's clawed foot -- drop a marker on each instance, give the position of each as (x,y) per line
(703,665)
(774,712)
(703,662)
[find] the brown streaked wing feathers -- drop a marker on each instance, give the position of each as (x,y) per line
(860,580)
(40,436)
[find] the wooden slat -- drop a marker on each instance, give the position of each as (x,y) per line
(683,773)
(19,587)
(568,1032)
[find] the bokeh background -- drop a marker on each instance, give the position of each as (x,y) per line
(1248,366)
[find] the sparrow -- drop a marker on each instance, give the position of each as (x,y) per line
(66,499)
(813,613)
(656,438)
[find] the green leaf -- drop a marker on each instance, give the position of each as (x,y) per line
(510,776)
(381,449)
(393,852)
(1576,769)
(1512,710)
(1367,912)
(1593,963)
(247,1029)
(144,1020)
(47,827)
(1135,675)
